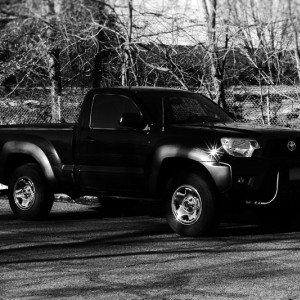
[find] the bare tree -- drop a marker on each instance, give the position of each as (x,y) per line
(262,41)
(293,13)
(53,18)
(217,53)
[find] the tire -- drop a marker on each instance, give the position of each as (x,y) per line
(191,205)
(29,196)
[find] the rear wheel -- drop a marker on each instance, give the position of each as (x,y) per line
(191,205)
(29,195)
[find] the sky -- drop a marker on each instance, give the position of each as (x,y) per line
(184,14)
(166,17)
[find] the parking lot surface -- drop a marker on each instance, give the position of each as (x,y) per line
(81,252)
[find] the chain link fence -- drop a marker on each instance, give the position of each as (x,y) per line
(269,105)
(34,106)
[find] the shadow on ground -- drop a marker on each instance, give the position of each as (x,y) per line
(233,223)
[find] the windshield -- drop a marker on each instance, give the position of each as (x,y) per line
(192,108)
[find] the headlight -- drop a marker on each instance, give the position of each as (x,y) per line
(239,147)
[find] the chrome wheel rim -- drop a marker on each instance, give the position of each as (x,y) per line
(24,193)
(186,205)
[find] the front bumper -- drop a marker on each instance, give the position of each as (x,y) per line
(261,182)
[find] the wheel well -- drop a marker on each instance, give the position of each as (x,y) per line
(13,161)
(171,166)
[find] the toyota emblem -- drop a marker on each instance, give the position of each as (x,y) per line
(291,145)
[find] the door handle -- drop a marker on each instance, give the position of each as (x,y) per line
(89,139)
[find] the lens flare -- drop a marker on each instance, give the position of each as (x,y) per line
(214,151)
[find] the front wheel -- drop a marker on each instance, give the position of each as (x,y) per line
(29,196)
(191,205)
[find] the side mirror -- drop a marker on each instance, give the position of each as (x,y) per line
(133,120)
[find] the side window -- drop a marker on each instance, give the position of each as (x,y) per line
(108,109)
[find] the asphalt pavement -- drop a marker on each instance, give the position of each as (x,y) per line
(83,252)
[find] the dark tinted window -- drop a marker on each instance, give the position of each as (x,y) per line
(192,108)
(183,108)
(107,110)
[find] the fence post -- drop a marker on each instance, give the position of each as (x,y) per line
(262,104)
(268,108)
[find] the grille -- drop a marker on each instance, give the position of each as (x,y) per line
(279,148)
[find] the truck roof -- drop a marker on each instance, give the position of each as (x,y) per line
(140,89)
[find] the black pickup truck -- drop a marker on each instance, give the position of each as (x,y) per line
(150,143)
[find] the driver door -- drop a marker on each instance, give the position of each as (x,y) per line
(114,156)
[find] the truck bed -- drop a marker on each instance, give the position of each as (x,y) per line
(59,135)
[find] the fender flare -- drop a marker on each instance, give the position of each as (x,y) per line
(220,172)
(30,149)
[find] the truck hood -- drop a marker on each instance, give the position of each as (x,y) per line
(242,129)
